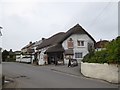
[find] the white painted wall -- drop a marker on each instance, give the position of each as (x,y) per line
(20,58)
(40,57)
(66,60)
(108,72)
(83,49)
(27,60)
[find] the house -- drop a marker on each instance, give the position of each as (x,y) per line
(27,54)
(17,52)
(28,49)
(49,49)
(18,55)
(65,45)
(101,45)
(37,43)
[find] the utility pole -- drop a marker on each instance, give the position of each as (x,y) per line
(1,77)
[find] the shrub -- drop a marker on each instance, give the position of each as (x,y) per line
(110,55)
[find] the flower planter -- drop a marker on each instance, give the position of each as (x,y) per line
(108,72)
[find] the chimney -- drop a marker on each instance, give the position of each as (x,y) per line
(100,39)
(30,42)
(43,39)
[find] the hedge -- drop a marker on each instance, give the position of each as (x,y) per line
(110,55)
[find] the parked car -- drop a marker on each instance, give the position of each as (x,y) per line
(74,63)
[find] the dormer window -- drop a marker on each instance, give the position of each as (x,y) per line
(80,42)
(70,43)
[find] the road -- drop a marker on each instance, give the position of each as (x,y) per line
(29,76)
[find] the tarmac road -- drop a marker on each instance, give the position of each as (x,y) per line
(29,76)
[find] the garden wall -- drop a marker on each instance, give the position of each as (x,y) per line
(108,72)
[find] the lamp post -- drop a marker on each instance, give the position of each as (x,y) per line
(0,47)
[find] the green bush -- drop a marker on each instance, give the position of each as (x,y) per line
(110,55)
(96,57)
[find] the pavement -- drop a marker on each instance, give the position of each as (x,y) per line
(73,71)
(65,69)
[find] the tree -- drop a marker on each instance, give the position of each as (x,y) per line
(113,50)
(11,55)
(5,55)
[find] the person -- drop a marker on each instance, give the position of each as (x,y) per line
(69,63)
(56,61)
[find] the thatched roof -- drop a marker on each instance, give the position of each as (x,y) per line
(29,45)
(56,48)
(77,29)
(52,40)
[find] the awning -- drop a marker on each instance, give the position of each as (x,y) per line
(69,52)
(56,48)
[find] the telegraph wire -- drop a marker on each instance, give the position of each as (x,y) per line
(100,14)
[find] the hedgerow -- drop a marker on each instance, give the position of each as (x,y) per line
(110,55)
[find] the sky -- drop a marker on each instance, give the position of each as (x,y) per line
(30,20)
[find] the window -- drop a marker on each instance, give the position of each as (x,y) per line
(70,43)
(80,43)
(78,55)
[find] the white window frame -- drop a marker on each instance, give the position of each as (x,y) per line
(81,56)
(80,43)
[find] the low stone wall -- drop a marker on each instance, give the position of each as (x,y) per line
(108,72)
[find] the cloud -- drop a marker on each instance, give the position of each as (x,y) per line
(18,1)
(30,21)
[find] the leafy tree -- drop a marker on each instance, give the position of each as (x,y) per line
(8,55)
(11,55)
(5,55)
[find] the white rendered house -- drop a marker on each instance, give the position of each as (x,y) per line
(74,44)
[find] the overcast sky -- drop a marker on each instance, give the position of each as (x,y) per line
(30,20)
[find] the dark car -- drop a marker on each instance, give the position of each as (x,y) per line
(74,62)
